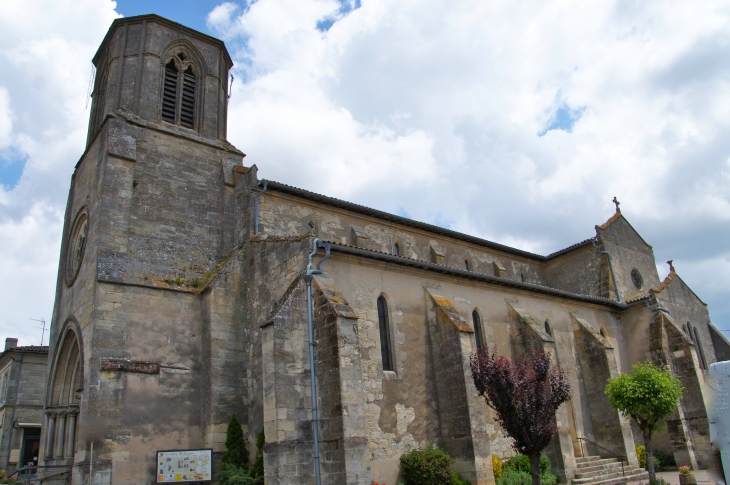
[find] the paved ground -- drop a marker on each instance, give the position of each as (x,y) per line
(704,477)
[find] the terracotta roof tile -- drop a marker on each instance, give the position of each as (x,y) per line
(610,221)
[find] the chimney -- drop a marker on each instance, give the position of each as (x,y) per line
(11,343)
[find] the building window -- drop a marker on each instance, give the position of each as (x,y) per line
(477,330)
(700,350)
(396,249)
(548,329)
(310,226)
(466,264)
(76,246)
(384,334)
(4,386)
(636,278)
(64,394)
(522,277)
(178,92)
(603,332)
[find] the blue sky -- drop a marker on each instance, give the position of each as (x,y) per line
(191,13)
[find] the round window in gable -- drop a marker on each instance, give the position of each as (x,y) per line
(77,246)
(636,278)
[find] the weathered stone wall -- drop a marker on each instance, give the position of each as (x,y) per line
(628,251)
(577,271)
(144,42)
(686,308)
(281,214)
(406,413)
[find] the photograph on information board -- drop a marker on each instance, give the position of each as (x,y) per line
(180,466)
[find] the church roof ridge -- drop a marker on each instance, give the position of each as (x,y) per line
(667,280)
(344,204)
(380,255)
(610,221)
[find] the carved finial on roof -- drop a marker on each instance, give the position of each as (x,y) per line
(671,266)
(615,201)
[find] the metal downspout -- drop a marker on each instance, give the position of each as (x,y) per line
(256,208)
(656,308)
(310,324)
(15,406)
(610,267)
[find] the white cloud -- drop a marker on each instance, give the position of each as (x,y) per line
(435,108)
(45,52)
(432,108)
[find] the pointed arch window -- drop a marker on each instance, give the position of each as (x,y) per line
(700,350)
(179,92)
(384,326)
(477,329)
(65,389)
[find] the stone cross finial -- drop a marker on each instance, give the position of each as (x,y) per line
(671,266)
(615,201)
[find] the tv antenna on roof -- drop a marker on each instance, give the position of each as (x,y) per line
(43,321)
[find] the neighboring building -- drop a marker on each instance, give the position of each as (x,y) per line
(182,298)
(22,386)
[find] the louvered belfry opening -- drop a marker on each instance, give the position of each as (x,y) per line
(169,94)
(187,105)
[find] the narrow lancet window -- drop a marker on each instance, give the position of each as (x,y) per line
(384,334)
(187,107)
(169,93)
(700,350)
(477,330)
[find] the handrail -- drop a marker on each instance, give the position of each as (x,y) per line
(620,456)
(65,469)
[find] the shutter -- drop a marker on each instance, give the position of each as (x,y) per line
(169,93)
(187,107)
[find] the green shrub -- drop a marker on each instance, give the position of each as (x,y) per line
(234,475)
(517,471)
(664,458)
(457,480)
(426,467)
(660,458)
(511,476)
(522,463)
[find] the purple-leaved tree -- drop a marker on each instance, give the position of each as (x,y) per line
(525,393)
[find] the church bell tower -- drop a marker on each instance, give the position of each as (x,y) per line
(151,211)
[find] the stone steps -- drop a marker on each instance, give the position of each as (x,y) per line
(594,470)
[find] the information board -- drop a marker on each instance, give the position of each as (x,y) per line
(180,466)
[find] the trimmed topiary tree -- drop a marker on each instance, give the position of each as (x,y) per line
(647,394)
(236,452)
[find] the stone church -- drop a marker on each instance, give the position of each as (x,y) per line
(188,285)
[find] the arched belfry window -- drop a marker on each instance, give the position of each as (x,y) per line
(477,330)
(384,326)
(178,91)
(64,396)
